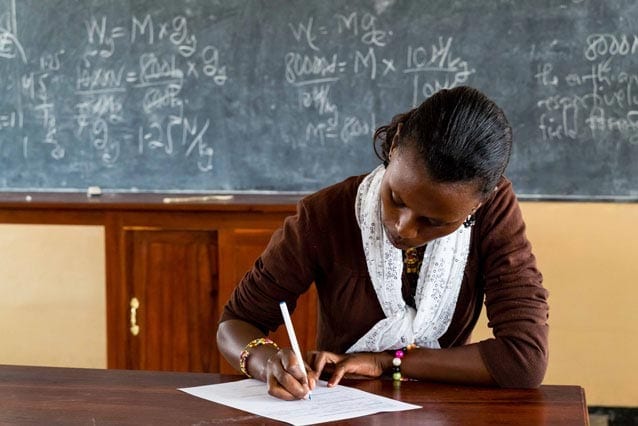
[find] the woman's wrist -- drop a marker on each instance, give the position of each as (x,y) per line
(254,358)
(398,355)
(261,361)
(385,362)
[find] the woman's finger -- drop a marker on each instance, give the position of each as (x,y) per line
(340,370)
(291,365)
(312,376)
(277,390)
(321,358)
(289,374)
(317,361)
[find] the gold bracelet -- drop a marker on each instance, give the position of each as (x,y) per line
(243,357)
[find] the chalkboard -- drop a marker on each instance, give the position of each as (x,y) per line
(274,95)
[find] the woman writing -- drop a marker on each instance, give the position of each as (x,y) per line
(403,259)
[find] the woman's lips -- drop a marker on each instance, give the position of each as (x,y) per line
(396,242)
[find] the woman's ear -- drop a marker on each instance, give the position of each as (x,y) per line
(395,138)
(395,142)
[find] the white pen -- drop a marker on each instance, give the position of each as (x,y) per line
(293,340)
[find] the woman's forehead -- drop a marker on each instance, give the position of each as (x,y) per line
(407,177)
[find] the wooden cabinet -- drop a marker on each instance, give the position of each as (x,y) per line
(170,269)
(172,279)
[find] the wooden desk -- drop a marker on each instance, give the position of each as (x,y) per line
(44,395)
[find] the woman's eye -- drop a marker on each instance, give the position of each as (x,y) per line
(395,200)
(430,222)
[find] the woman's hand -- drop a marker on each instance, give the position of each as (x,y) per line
(285,378)
(366,365)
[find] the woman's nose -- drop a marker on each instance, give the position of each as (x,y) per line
(406,226)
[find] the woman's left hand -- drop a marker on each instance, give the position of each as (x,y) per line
(366,365)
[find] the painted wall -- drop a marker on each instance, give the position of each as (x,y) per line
(52,309)
(53,304)
(588,254)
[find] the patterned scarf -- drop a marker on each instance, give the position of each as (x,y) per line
(438,285)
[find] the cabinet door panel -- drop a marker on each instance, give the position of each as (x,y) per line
(174,276)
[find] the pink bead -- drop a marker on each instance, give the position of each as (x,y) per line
(399,354)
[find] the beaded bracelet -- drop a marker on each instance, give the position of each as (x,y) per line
(243,357)
(396,361)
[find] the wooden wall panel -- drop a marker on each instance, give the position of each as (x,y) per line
(181,259)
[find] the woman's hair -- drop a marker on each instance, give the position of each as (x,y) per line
(461,135)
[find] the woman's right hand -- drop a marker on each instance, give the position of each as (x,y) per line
(285,378)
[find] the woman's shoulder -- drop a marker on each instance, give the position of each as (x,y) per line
(333,196)
(504,189)
(330,209)
(500,213)
(503,197)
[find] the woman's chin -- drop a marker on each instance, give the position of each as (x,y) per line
(401,245)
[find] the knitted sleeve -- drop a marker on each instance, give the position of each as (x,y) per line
(515,299)
(282,273)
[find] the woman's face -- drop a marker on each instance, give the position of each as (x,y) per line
(417,210)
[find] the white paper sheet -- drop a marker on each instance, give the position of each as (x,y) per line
(327,404)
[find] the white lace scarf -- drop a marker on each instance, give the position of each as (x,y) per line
(438,284)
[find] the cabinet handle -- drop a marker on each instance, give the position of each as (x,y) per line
(135,329)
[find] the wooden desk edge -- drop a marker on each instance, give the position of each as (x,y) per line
(38,392)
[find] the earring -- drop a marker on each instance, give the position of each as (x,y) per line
(469,221)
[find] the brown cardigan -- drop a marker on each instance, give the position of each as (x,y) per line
(322,244)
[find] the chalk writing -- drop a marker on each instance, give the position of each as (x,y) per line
(287,95)
(10,46)
(303,32)
(366,24)
(443,69)
(603,45)
(602,100)
(107,87)
(314,73)
(310,68)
